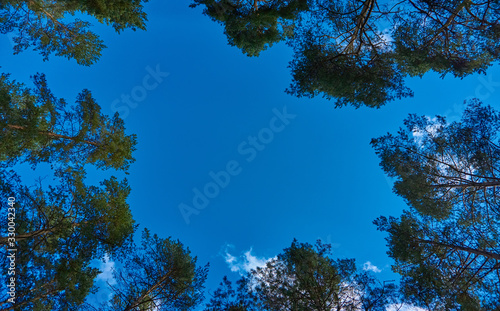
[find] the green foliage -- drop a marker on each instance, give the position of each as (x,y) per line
(253,29)
(449,37)
(99,216)
(36,127)
(446,246)
(47,27)
(359,52)
(158,273)
(347,80)
(444,266)
(227,299)
(62,225)
(304,277)
(438,165)
(60,229)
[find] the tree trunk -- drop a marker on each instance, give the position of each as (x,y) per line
(463,248)
(50,134)
(489,184)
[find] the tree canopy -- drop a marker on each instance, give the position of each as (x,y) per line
(305,277)
(60,229)
(62,224)
(357,52)
(36,126)
(446,246)
(49,26)
(159,274)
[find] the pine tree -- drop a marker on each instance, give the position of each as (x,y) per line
(60,229)
(49,26)
(304,277)
(446,246)
(359,52)
(36,126)
(159,274)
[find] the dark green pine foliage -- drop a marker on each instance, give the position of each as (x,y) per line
(158,274)
(447,246)
(445,265)
(340,53)
(305,277)
(225,298)
(359,52)
(36,126)
(253,26)
(347,79)
(50,26)
(60,229)
(439,164)
(449,37)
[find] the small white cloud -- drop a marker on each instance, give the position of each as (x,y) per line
(244,263)
(403,307)
(107,266)
(230,258)
(232,262)
(431,129)
(387,39)
(368,266)
(252,262)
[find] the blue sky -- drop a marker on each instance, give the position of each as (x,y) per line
(196,100)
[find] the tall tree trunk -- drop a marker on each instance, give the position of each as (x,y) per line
(19,237)
(140,300)
(54,135)
(360,23)
(33,234)
(489,184)
(462,248)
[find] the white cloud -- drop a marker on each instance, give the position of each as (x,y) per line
(252,262)
(387,40)
(431,129)
(245,262)
(403,307)
(368,266)
(107,266)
